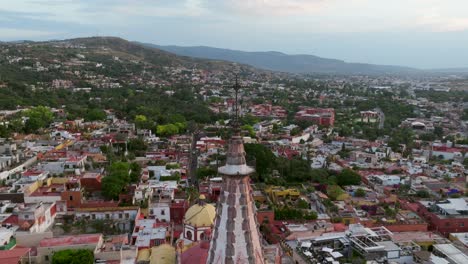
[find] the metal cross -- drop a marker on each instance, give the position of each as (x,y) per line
(236,89)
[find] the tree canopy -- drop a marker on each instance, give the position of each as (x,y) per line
(348,177)
(73,256)
(116,180)
(38,117)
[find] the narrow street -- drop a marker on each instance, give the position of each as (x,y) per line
(193,160)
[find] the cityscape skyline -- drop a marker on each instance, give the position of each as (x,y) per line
(415,33)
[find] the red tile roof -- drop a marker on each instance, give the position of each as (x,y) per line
(32,173)
(12,219)
(340,227)
(13,256)
(195,255)
(70,240)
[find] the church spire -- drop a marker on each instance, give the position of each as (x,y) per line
(236,239)
(235,158)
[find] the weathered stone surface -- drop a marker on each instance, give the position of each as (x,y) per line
(236,238)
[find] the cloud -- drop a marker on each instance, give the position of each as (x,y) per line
(433,19)
(271,7)
(102,11)
(17,33)
(188,8)
(281,17)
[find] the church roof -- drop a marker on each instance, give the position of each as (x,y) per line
(197,254)
(163,254)
(199,215)
(143,255)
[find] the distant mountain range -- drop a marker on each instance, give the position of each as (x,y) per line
(223,59)
(277,61)
(450,70)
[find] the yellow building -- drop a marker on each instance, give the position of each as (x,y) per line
(277,193)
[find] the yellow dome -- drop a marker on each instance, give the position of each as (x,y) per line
(163,254)
(143,255)
(200,215)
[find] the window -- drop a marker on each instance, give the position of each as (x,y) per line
(93,216)
(163,212)
(46,257)
(188,235)
(71,198)
(120,216)
(151,212)
(127,215)
(26,216)
(462,224)
(107,216)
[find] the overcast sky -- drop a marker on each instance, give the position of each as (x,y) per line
(418,33)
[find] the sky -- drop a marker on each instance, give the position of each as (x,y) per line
(415,33)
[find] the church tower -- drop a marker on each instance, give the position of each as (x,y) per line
(235,239)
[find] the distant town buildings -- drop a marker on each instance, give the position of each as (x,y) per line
(319,116)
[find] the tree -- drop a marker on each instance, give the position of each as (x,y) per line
(140,120)
(137,145)
(302,204)
(167,130)
(117,179)
(40,112)
(295,131)
(428,137)
(438,132)
(172,166)
(423,194)
(38,117)
(401,136)
(250,120)
(334,191)
(204,172)
(73,256)
(112,187)
(348,177)
(264,158)
(95,114)
(33,124)
(136,171)
(360,192)
(249,129)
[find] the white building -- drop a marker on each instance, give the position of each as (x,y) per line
(162,189)
(122,217)
(387,180)
(36,217)
(160,211)
(147,234)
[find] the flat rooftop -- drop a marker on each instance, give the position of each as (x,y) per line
(70,240)
(453,254)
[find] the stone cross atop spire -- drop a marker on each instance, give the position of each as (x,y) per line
(236,123)
(235,160)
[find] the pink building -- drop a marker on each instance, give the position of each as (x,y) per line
(268,110)
(319,116)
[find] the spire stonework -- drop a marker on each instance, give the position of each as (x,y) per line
(236,239)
